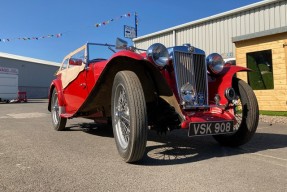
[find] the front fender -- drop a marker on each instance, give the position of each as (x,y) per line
(129,54)
(56,84)
(152,81)
(218,84)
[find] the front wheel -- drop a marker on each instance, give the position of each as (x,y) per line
(59,122)
(129,116)
(246,113)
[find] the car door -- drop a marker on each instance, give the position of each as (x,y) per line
(74,83)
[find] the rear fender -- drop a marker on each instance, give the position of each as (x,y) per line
(218,84)
(56,84)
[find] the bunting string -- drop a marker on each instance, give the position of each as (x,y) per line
(31,38)
(58,35)
(111,20)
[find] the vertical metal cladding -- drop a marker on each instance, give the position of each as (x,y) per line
(191,68)
(215,33)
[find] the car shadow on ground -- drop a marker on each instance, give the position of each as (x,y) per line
(37,101)
(27,102)
(97,129)
(177,148)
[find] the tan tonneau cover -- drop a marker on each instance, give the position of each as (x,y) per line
(70,74)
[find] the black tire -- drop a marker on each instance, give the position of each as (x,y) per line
(129,116)
(247,117)
(59,123)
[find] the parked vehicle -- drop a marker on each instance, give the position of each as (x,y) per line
(159,89)
(230,61)
(8,84)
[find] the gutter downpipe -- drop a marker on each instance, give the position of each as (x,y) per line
(174,37)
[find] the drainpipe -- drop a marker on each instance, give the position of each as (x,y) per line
(174,37)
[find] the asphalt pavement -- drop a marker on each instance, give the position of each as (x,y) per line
(35,157)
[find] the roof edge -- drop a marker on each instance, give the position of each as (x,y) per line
(28,59)
(260,34)
(217,16)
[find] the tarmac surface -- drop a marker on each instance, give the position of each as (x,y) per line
(35,157)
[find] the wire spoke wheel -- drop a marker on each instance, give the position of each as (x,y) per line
(55,110)
(246,113)
(238,113)
(129,116)
(59,122)
(122,117)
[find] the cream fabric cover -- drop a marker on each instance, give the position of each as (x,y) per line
(70,74)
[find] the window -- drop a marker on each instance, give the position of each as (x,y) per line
(261,77)
(78,56)
(65,64)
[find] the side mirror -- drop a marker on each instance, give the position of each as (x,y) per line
(75,62)
(121,44)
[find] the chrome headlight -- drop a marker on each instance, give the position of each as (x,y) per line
(188,93)
(215,63)
(158,54)
(230,94)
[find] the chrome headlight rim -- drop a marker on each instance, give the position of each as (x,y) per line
(158,54)
(215,63)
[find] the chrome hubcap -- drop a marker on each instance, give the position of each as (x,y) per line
(121,117)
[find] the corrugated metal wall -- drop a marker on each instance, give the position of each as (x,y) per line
(215,34)
(164,38)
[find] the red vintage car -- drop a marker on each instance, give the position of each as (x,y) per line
(158,89)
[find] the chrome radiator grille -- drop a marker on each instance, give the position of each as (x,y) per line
(191,68)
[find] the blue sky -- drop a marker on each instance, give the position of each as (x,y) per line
(76,19)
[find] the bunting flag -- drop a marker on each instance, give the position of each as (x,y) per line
(111,20)
(4,40)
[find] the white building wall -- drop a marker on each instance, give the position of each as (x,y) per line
(34,75)
(214,34)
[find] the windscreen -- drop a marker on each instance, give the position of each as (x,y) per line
(97,52)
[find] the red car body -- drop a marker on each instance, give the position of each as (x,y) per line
(89,94)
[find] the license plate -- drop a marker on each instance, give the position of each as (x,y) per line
(210,128)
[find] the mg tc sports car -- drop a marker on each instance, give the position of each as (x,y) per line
(158,89)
